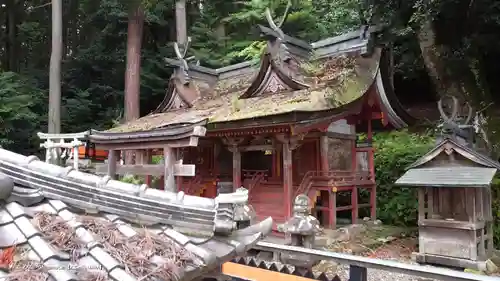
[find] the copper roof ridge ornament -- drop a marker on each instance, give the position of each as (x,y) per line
(182,73)
(455,125)
(274,49)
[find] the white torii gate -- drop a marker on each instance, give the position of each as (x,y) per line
(56,146)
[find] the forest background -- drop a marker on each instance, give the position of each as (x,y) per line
(440,47)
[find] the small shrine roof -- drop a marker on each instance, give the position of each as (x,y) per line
(59,224)
(448,177)
(454,160)
(448,146)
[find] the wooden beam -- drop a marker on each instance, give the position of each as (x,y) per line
(245,272)
(262,147)
(233,141)
(341,136)
(80,135)
(147,169)
(293,141)
(191,141)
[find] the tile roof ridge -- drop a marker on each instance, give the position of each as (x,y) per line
(91,191)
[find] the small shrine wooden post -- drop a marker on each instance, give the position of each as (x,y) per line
(113,157)
(169,159)
(455,219)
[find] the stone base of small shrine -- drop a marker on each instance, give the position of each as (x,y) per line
(449,261)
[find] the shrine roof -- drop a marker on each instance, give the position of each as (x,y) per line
(66,225)
(448,177)
(450,145)
(334,75)
(327,84)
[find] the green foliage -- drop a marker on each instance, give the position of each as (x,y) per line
(228,34)
(95,36)
(398,205)
(132,179)
(225,32)
(496,210)
(394,152)
(20,99)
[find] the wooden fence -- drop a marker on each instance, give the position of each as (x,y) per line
(359,266)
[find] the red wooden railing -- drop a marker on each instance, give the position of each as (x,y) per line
(305,184)
(334,177)
(254,178)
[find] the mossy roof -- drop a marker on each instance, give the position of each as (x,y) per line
(334,82)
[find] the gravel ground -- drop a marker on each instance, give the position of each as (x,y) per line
(399,251)
(357,242)
(380,275)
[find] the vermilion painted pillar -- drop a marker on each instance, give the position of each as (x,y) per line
(324,154)
(371,167)
(354,192)
(236,167)
(332,196)
(287,179)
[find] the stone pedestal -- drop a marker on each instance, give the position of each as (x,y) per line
(301,230)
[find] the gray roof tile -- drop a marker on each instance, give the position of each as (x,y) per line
(121,275)
(10,235)
(5,217)
(104,259)
(27,229)
(448,176)
(57,203)
(62,275)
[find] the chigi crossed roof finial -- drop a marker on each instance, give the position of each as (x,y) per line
(274,48)
(181,56)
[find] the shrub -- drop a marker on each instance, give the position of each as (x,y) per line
(496,210)
(394,151)
(20,105)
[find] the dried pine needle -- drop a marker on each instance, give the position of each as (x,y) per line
(147,256)
(136,253)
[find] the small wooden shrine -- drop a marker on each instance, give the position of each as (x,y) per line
(281,127)
(454,199)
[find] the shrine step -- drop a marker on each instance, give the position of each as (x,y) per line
(268,208)
(266,195)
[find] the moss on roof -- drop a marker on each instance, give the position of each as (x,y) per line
(335,82)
